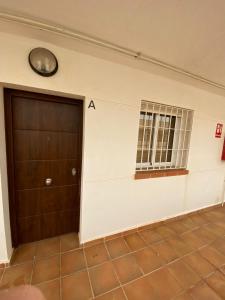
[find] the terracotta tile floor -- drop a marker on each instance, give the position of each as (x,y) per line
(180,260)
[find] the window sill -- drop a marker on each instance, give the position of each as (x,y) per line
(160,173)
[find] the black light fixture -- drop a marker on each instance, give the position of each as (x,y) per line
(43,62)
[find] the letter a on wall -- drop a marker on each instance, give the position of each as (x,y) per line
(91,104)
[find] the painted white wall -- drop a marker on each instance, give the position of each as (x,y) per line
(112,200)
(5,236)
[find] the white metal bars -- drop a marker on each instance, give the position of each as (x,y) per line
(164,136)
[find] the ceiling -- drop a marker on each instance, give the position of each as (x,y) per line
(188,34)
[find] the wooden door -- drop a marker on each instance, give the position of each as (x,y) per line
(44,142)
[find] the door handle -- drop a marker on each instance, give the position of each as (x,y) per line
(48,181)
(74,171)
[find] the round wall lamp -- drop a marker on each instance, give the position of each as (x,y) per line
(43,62)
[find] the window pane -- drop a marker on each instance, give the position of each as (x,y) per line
(165,139)
(157,156)
(138,156)
(145,156)
(149,119)
(146,139)
(169,156)
(140,137)
(145,119)
(142,118)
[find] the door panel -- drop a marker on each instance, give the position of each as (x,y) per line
(33,202)
(31,114)
(44,142)
(33,174)
(52,145)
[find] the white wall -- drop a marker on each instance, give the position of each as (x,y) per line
(111,199)
(5,236)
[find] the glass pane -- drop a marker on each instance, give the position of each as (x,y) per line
(157,156)
(146,145)
(140,137)
(149,119)
(163,156)
(138,159)
(142,118)
(146,119)
(165,140)
(169,156)
(145,156)
(159,139)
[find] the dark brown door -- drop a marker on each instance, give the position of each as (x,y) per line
(44,142)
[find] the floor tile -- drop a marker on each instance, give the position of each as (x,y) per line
(22,292)
(214,215)
(96,254)
(213,256)
(113,236)
(165,251)
(220,223)
(24,253)
(17,275)
(165,231)
(134,241)
(188,223)
(48,247)
(127,268)
(199,264)
(50,289)
(205,235)
(103,278)
(72,261)
(217,282)
(183,274)
(69,242)
(199,219)
(179,245)
(219,245)
(204,292)
(150,236)
(46,269)
(76,287)
(117,247)
(184,296)
(141,289)
(178,227)
(215,229)
(192,239)
(117,294)
(148,260)
(164,284)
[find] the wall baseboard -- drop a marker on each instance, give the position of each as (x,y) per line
(149,225)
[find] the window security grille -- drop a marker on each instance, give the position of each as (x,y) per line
(164,136)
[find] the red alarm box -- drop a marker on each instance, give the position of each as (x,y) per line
(223,152)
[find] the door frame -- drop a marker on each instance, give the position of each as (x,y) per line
(7,95)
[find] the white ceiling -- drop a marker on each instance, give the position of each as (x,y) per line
(189,34)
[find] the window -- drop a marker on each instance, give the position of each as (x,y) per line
(164,137)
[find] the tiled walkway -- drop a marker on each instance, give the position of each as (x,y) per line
(181,260)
